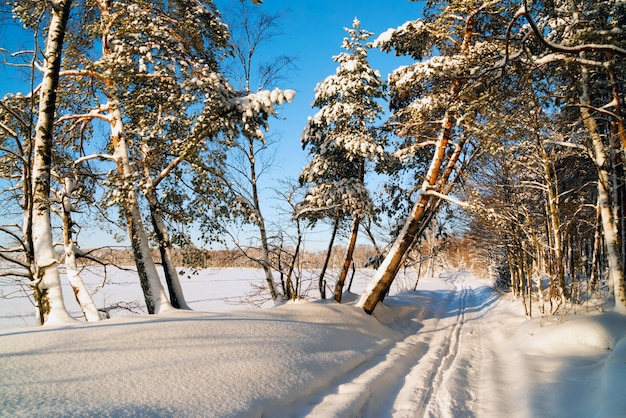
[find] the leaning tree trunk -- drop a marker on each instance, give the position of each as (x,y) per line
(386,273)
(177,298)
(47,286)
(347,259)
(436,179)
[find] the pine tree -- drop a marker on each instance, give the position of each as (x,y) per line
(342,138)
(440,105)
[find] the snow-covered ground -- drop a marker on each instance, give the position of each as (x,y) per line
(452,349)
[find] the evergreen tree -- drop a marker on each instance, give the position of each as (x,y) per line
(342,138)
(441,107)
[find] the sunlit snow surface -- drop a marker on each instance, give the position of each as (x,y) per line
(451,349)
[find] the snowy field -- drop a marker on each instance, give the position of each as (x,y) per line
(452,349)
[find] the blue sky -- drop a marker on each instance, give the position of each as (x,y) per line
(313,31)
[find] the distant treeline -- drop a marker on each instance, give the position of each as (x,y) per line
(204,258)
(451,253)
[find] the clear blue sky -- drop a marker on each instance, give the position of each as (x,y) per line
(313,32)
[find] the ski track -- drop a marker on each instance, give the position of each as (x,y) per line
(433,372)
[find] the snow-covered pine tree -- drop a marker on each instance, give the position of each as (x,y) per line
(342,138)
(439,106)
(151,51)
(170,136)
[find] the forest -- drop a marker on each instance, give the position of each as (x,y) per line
(147,118)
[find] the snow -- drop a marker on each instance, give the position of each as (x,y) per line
(453,348)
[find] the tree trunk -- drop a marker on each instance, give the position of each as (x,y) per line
(322,281)
(381,282)
(47,285)
(83,297)
(297,289)
(154,295)
(596,270)
(609,224)
(265,249)
(347,259)
(177,298)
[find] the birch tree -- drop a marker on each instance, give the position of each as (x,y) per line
(342,138)
(44,265)
(247,145)
(17,112)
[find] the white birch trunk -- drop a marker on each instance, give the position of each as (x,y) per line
(47,286)
(82,294)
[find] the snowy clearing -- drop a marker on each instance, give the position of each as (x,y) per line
(454,348)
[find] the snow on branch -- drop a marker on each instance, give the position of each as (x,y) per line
(13,273)
(8,130)
(447,198)
(95,157)
(523,11)
(554,57)
(254,109)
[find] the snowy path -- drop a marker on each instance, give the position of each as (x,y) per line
(451,349)
(434,371)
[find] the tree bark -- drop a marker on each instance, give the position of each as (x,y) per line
(321,280)
(154,294)
(554,221)
(260,221)
(386,273)
(609,224)
(177,298)
(83,297)
(47,286)
(347,259)
(435,179)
